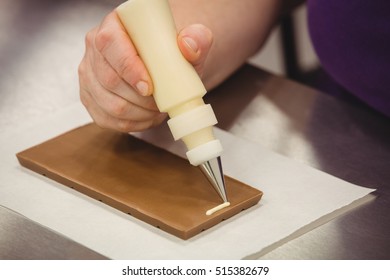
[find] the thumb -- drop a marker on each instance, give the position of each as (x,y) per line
(195,43)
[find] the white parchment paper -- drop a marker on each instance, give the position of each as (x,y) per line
(295,197)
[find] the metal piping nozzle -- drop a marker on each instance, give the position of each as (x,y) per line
(212,169)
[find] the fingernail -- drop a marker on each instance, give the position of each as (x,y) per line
(143,88)
(191,44)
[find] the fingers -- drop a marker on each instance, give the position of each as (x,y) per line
(115,86)
(112,111)
(195,42)
(118,50)
(111,100)
(116,106)
(103,119)
(109,79)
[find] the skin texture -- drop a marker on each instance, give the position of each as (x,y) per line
(217,37)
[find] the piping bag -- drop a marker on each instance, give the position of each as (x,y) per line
(178,90)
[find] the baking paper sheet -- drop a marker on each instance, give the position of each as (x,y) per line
(296,198)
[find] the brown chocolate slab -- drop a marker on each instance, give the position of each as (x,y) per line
(137,178)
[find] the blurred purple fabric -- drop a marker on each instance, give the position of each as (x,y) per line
(352,41)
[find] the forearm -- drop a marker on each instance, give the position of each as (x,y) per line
(240,28)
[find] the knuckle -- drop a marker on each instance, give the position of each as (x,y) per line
(100,122)
(81,70)
(89,38)
(84,80)
(83,99)
(126,67)
(103,38)
(131,68)
(110,80)
(125,125)
(119,108)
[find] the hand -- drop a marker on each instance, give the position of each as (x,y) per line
(115,86)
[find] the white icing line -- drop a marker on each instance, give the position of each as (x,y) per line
(217,208)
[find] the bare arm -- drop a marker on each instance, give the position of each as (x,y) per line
(239,29)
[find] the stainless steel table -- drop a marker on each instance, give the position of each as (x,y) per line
(21,238)
(351,142)
(41,44)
